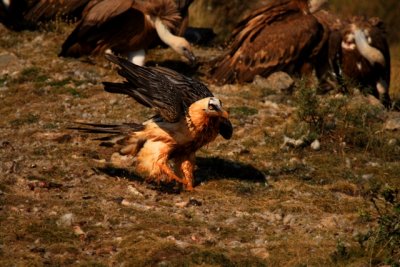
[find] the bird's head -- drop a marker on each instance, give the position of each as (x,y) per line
(212,106)
(183,47)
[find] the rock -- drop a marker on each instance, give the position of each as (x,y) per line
(392,142)
(280,82)
(288,219)
(392,122)
(66,220)
(315,145)
(79,232)
(291,142)
(329,222)
(260,252)
(134,191)
(367,176)
(9,63)
(136,206)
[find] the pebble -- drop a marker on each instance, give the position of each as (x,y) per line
(134,191)
(66,220)
(316,145)
(392,142)
(288,219)
(260,252)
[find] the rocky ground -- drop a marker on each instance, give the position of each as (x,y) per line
(285,191)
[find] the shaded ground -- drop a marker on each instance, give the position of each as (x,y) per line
(255,202)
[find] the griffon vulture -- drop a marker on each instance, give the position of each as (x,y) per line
(282,35)
(28,14)
(362,56)
(126,27)
(188,117)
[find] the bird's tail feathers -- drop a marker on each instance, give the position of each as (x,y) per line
(113,129)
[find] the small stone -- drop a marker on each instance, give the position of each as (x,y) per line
(393,122)
(288,219)
(348,163)
(368,176)
(260,252)
(392,142)
(79,232)
(279,82)
(134,191)
(66,220)
(316,145)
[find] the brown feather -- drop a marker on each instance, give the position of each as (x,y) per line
(120,25)
(279,36)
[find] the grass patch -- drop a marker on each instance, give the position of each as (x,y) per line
(28,119)
(31,74)
(48,232)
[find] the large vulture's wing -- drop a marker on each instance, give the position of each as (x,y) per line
(49,9)
(263,49)
(103,22)
(148,87)
(271,13)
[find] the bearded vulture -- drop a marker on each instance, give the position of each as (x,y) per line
(362,56)
(188,117)
(126,27)
(29,14)
(283,35)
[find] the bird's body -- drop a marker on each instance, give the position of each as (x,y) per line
(282,35)
(188,117)
(126,27)
(362,56)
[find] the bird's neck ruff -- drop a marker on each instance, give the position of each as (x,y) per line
(372,54)
(197,119)
(164,33)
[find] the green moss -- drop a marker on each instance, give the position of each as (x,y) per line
(242,111)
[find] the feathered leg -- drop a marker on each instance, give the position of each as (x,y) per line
(185,167)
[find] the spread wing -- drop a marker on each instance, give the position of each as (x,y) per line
(167,91)
(263,49)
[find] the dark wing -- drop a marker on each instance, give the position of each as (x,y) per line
(149,87)
(263,49)
(190,89)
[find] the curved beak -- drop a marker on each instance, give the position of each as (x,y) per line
(191,57)
(223,113)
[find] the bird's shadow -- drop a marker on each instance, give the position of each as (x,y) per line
(207,169)
(218,168)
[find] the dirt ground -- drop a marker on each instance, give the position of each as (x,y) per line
(256,201)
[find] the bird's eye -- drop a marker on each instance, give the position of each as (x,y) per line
(211,107)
